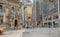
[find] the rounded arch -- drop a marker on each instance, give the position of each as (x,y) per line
(0,6)
(0,9)
(16,22)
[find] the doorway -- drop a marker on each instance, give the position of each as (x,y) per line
(16,23)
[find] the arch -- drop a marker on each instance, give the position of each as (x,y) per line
(16,23)
(0,5)
(0,10)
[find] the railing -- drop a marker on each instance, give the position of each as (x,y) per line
(53,10)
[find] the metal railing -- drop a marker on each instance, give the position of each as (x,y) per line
(53,10)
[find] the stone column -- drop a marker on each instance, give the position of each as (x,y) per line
(4,17)
(5,14)
(58,14)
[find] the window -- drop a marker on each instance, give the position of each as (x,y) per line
(12,10)
(0,10)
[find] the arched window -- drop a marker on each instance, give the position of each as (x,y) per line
(12,10)
(0,9)
(1,14)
